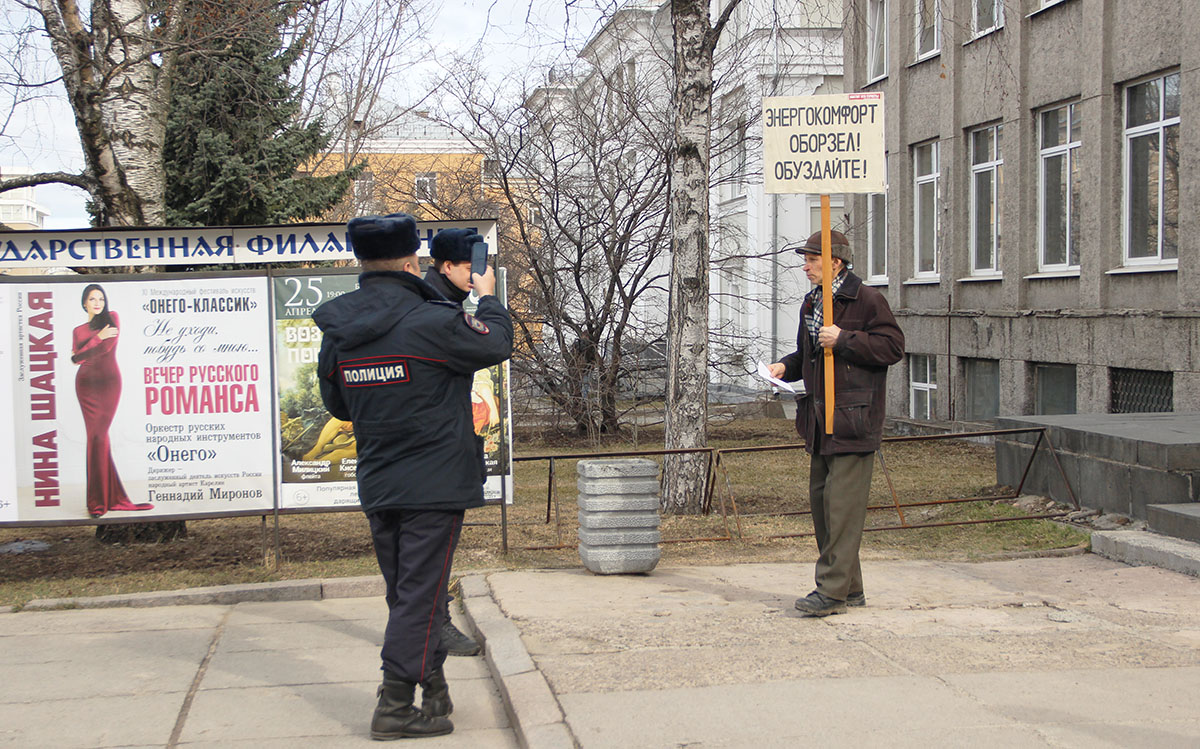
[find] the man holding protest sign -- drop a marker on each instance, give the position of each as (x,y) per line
(865,340)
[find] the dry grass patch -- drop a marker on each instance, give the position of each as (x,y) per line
(763,484)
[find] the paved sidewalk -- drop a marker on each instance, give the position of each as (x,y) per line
(1065,652)
(1069,652)
(255,674)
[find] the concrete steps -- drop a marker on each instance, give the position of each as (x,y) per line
(1180,520)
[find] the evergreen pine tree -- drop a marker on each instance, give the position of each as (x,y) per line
(234,143)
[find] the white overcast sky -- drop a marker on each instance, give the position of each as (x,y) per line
(513,33)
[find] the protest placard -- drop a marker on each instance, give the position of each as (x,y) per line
(824,144)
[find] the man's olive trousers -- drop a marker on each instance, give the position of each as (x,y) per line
(838,488)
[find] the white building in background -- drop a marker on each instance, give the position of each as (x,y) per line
(767,49)
(19,208)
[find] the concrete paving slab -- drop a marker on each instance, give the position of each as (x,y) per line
(290,667)
(287,635)
(337,609)
(990,652)
(1077,696)
(138,675)
(484,738)
(663,668)
(1116,735)
(94,721)
(110,620)
(262,668)
(320,710)
(816,712)
(105,647)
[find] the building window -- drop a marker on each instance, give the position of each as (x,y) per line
(988,15)
(1054,386)
(1058,189)
(533,212)
(736,149)
(491,169)
(928,28)
(1140,391)
(983,389)
(987,177)
(922,386)
(877,237)
(925,202)
(363,192)
(836,214)
(876,39)
(1152,171)
(425,187)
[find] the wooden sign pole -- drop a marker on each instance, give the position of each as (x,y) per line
(827,307)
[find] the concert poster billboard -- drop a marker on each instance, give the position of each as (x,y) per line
(317,451)
(137,398)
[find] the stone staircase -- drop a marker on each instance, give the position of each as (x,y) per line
(1145,466)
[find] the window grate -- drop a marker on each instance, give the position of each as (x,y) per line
(1141,391)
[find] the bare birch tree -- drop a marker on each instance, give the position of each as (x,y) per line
(695,40)
(117,60)
(578,167)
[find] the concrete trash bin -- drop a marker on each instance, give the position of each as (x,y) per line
(618,515)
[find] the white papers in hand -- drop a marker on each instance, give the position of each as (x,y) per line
(765,373)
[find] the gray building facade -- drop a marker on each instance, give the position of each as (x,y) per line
(1038,240)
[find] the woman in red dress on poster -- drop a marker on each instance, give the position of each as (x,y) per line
(98,388)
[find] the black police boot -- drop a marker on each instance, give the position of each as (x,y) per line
(456,642)
(856,599)
(396,718)
(435,695)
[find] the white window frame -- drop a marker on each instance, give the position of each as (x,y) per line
(995,22)
(993,163)
(934,178)
(425,187)
(533,214)
(918,17)
(877,40)
(876,205)
(1069,151)
(1130,133)
(923,365)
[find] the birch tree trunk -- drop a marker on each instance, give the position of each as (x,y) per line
(117,74)
(687,324)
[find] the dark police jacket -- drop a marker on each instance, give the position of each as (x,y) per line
(398,361)
(870,341)
(444,287)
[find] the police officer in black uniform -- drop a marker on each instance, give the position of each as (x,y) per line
(397,360)
(450,274)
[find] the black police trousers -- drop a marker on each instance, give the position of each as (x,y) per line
(415,549)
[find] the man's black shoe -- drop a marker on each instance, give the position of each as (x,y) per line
(456,642)
(818,604)
(856,599)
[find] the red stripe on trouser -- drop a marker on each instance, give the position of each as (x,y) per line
(441,591)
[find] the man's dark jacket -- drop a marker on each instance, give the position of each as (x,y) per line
(870,341)
(398,361)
